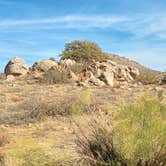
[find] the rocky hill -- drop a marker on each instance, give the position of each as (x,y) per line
(46,109)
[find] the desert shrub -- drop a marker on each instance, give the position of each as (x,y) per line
(147,78)
(37,109)
(137,137)
(56,75)
(84,103)
(80,103)
(82,51)
(77,68)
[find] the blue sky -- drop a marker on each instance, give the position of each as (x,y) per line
(38,29)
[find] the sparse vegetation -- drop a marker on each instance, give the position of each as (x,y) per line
(137,138)
(37,109)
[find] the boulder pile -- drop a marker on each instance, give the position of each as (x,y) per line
(109,73)
(94,74)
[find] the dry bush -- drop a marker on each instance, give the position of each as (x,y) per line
(73,105)
(36,109)
(147,78)
(56,75)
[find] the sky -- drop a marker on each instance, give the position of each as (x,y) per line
(39,29)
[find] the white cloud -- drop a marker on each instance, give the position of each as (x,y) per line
(141,25)
(146,25)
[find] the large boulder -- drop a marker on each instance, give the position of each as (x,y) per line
(16,66)
(44,65)
(108,78)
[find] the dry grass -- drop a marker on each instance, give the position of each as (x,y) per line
(42,114)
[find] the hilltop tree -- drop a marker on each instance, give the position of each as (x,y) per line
(82,51)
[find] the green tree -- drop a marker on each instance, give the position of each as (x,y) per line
(81,51)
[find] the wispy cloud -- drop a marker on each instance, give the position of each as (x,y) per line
(139,25)
(69,21)
(146,24)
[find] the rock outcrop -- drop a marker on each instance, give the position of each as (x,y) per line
(44,65)
(105,73)
(110,73)
(16,67)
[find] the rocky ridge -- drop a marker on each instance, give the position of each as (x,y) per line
(105,73)
(95,73)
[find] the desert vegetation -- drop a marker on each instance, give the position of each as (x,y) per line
(122,134)
(89,109)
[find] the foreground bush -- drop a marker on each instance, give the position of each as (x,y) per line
(82,51)
(137,138)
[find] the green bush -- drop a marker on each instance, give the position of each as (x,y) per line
(137,138)
(82,51)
